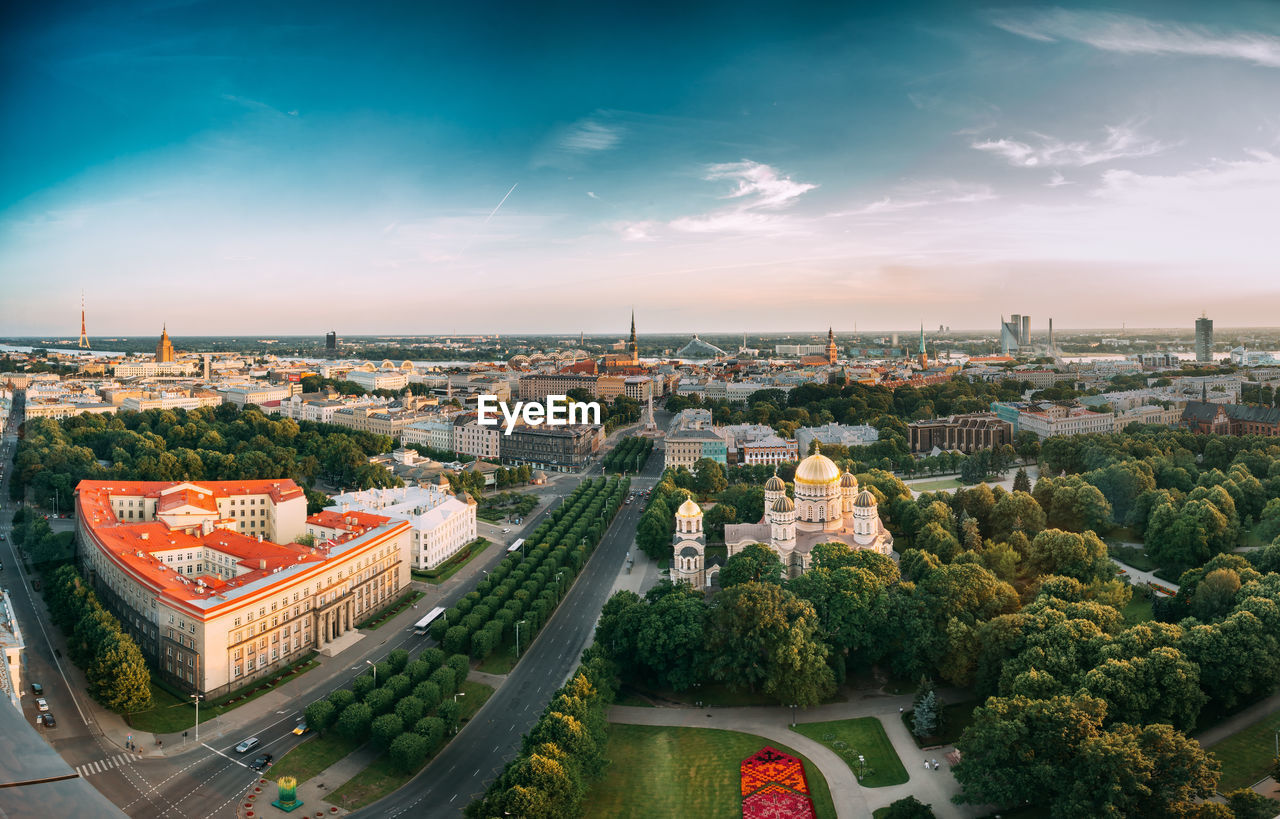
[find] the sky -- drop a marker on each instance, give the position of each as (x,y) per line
(289,168)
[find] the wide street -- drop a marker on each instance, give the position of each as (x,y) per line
(465,767)
(207,779)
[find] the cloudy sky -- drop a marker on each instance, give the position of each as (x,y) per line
(259,167)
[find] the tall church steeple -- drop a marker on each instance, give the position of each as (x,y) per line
(832,350)
(632,347)
(924,354)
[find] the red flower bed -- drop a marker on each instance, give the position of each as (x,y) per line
(771,765)
(779,805)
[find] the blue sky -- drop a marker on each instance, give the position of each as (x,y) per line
(287,168)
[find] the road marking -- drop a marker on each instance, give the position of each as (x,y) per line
(224,756)
(455,796)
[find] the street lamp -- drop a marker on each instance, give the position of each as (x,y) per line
(560,582)
(197,698)
(518,637)
(455,699)
(375,672)
(793,716)
(862,766)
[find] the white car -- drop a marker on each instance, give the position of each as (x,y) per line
(42,704)
(504,531)
(246,745)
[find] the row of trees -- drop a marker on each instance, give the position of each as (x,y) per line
(405,708)
(524,589)
(561,754)
(629,455)
(42,544)
(113,664)
(209,443)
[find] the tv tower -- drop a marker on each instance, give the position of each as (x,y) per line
(84,339)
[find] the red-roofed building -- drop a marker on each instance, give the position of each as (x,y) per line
(207,578)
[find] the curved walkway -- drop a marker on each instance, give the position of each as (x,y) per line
(852,801)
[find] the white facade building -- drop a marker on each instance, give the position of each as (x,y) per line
(441,523)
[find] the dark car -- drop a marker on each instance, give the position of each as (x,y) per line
(37,689)
(47,720)
(262,761)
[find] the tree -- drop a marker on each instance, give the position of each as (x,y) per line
(410,710)
(908,807)
(708,477)
(755,563)
(431,729)
(1016,512)
(764,638)
(353,723)
(715,519)
(408,751)
(653,532)
(449,712)
(925,716)
(1083,557)
(385,729)
(1021,482)
(1246,803)
(320,715)
(118,677)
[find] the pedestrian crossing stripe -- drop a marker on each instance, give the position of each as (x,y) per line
(103,765)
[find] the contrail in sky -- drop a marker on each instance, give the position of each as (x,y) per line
(495,210)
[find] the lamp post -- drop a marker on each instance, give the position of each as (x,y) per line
(455,699)
(518,637)
(375,672)
(793,716)
(197,698)
(862,766)
(560,582)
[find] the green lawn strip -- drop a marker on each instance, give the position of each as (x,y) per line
(956,718)
(451,566)
(382,777)
(719,696)
(501,661)
(1132,556)
(379,619)
(1247,755)
(169,713)
(1137,611)
(865,736)
(665,771)
(312,756)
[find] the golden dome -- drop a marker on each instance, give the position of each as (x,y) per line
(688,509)
(847,479)
(818,470)
(775,484)
(865,499)
(784,504)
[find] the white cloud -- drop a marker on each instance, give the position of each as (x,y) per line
(1121,142)
(1129,34)
(922,196)
(588,136)
(759,192)
(592,194)
(1057,180)
(758,185)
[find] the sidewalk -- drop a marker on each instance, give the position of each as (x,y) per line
(313,791)
(851,799)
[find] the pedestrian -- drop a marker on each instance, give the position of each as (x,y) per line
(935,764)
(926,764)
(899,709)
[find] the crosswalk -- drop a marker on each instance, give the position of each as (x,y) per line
(104,765)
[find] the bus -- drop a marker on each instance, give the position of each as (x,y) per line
(515,547)
(420,627)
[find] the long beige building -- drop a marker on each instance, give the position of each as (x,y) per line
(206,578)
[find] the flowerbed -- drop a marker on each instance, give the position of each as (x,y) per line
(774,786)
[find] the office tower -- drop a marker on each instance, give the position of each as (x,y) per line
(1204,338)
(331,340)
(1025,335)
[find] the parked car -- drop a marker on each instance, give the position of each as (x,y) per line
(37,689)
(262,761)
(42,704)
(46,720)
(251,742)
(301,728)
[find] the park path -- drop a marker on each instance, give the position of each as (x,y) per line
(851,799)
(1137,576)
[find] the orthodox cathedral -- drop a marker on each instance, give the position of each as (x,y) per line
(828,508)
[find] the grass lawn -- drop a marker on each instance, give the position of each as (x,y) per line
(629,696)
(1246,755)
(956,718)
(1132,556)
(866,736)
(312,757)
(664,771)
(382,776)
(381,618)
(451,566)
(1138,611)
(934,486)
(169,714)
(501,661)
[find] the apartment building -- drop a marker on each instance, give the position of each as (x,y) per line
(959,433)
(441,524)
(207,579)
(470,438)
(562,448)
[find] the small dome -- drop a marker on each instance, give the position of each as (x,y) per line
(689,509)
(817,469)
(784,504)
(775,484)
(865,500)
(847,479)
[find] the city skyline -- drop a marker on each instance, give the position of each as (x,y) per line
(400,170)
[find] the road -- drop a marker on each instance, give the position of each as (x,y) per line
(465,767)
(210,779)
